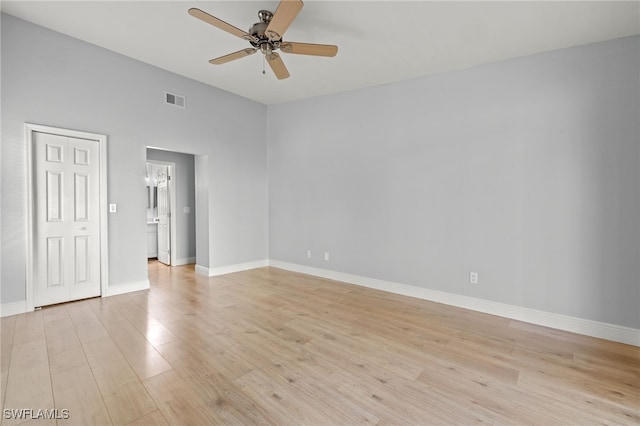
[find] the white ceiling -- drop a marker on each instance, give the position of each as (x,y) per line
(379,41)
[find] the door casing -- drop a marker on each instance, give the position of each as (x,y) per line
(30,129)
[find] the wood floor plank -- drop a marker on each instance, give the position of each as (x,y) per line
(356,348)
(60,335)
(29,378)
(70,357)
(4,376)
(63,346)
(108,364)
(579,378)
(7,328)
(144,322)
(155,418)
(311,375)
(55,312)
(145,360)
(590,403)
(177,401)
(75,390)
(269,346)
(209,373)
(386,403)
(505,402)
(217,358)
(612,363)
(29,328)
(130,401)
(111,309)
(87,324)
(284,401)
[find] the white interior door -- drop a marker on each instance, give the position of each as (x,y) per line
(66,173)
(164,215)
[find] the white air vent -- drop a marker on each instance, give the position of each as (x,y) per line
(175,100)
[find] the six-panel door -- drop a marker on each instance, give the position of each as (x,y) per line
(67,221)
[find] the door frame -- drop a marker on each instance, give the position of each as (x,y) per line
(30,129)
(171,171)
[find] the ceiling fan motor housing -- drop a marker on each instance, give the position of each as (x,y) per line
(258,29)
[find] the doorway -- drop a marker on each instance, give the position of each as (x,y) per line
(171,216)
(161,207)
(67,230)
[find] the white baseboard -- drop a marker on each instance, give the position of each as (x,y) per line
(184,261)
(202,270)
(229,269)
(116,289)
(616,333)
(13,308)
(238,267)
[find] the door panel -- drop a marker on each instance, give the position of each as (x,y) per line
(164,234)
(81,201)
(85,228)
(82,260)
(55,262)
(67,222)
(54,197)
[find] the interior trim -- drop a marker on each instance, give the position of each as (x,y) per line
(616,333)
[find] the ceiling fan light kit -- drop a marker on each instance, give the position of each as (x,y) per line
(266,36)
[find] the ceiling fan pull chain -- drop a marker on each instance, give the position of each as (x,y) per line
(263,71)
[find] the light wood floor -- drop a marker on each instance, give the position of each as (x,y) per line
(269,346)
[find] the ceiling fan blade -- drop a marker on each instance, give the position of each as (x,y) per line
(283,17)
(209,19)
(309,49)
(232,56)
(276,64)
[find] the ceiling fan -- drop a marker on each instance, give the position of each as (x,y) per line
(266,36)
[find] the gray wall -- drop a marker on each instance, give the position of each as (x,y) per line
(526,171)
(184,181)
(52,79)
(202,210)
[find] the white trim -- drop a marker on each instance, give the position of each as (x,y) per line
(14,308)
(104,235)
(183,261)
(616,333)
(202,270)
(229,269)
(127,287)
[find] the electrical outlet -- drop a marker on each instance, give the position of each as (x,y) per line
(113,208)
(326,255)
(309,254)
(473,277)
